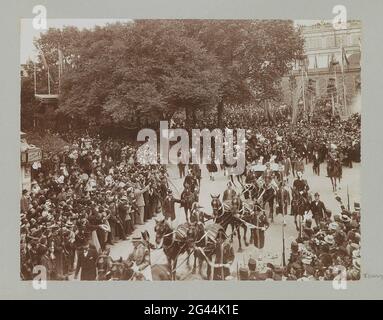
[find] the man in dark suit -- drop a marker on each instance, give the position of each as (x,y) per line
(25,201)
(190,181)
(316,163)
(169,206)
(87,263)
(318,209)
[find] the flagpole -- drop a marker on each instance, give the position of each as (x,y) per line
(344,86)
(336,84)
(59,65)
(49,83)
(283,223)
(34,76)
(303,92)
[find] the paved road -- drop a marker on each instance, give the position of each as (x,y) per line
(272,251)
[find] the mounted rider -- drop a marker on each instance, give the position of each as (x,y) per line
(187,199)
(229,193)
(269,195)
(300,186)
(190,181)
(300,203)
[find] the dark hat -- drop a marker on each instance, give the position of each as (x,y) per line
(243,273)
(345,218)
(252,263)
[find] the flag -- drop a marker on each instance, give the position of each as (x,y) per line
(61,60)
(45,63)
(315,63)
(333,63)
(344,58)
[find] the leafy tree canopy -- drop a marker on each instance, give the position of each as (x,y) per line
(149,69)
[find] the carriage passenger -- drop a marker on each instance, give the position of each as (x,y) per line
(140,258)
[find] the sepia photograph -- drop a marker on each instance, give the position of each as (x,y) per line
(190,149)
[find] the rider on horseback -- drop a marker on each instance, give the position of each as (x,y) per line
(334,168)
(190,181)
(300,186)
(300,203)
(187,199)
(229,193)
(269,196)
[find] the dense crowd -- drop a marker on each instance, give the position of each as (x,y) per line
(93,191)
(96,191)
(307,140)
(327,251)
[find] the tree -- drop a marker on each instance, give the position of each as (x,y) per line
(166,71)
(253,55)
(134,73)
(129,73)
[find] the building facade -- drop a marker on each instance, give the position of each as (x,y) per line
(333,61)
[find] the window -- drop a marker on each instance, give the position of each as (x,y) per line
(314,43)
(330,42)
(311,64)
(355,39)
(322,61)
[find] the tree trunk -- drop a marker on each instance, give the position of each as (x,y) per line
(187,115)
(194,117)
(220,114)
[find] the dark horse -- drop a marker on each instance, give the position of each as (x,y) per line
(299,206)
(230,216)
(334,170)
(174,242)
(187,199)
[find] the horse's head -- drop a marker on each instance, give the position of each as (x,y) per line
(191,234)
(161,229)
(117,269)
(216,204)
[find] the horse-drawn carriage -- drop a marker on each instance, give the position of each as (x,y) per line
(215,232)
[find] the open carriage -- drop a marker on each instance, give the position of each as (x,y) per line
(259,169)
